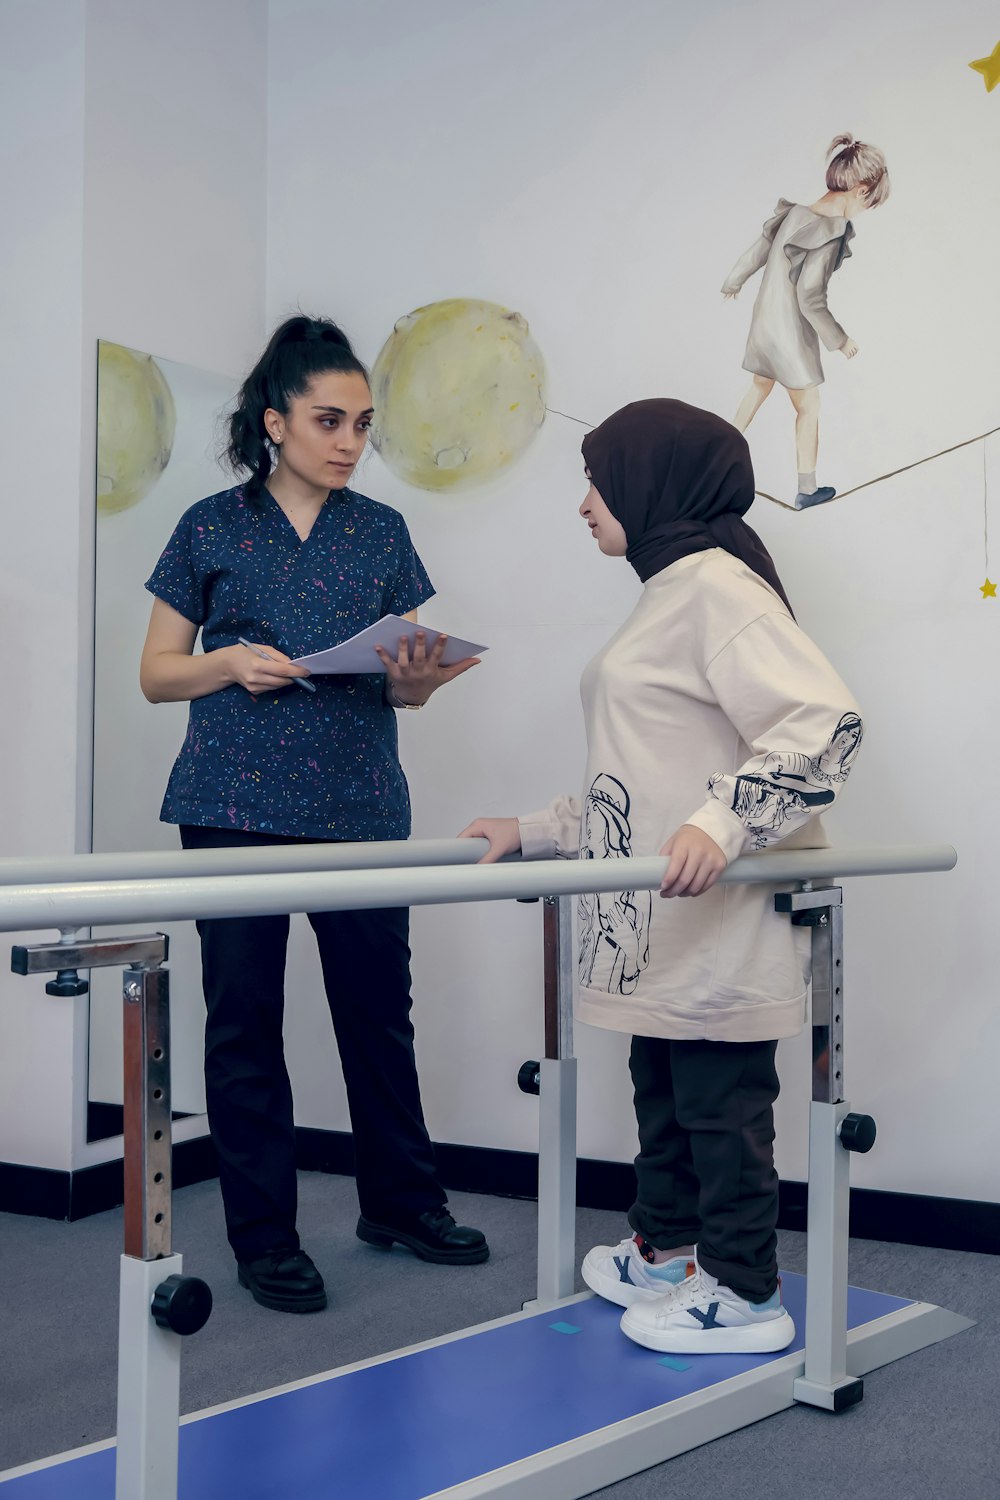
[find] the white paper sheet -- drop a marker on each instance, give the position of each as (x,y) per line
(358,654)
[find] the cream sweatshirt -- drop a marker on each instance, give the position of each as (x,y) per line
(709,686)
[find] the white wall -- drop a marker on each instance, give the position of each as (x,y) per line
(134,203)
(600,168)
(174,253)
(41,292)
(135,742)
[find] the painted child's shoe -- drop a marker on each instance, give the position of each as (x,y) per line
(818,497)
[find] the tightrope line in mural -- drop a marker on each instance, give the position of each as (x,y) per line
(988,589)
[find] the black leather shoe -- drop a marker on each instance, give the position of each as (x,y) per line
(286,1280)
(434,1236)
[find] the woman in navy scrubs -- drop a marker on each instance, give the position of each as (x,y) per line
(294,561)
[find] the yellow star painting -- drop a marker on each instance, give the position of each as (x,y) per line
(989,67)
(988,590)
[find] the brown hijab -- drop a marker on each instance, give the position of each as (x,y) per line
(679,480)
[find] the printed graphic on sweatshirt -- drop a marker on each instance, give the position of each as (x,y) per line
(791,787)
(614,926)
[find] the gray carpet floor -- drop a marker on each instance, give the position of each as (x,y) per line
(928,1426)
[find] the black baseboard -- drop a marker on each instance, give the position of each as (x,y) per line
(898,1218)
(92,1190)
(107,1120)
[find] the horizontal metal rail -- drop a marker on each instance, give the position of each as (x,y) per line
(72,906)
(267,859)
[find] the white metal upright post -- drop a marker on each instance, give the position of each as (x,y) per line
(149,1385)
(825,1381)
(557,1112)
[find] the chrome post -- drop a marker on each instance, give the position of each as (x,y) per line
(146,1033)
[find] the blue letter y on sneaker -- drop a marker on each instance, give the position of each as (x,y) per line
(701,1316)
(626,1274)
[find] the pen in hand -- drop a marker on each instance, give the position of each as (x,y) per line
(301,682)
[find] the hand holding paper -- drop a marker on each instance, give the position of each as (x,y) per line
(414,677)
(359,653)
(416,659)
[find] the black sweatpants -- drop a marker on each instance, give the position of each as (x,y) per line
(705,1167)
(365,958)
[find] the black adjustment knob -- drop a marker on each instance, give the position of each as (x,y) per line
(857,1133)
(66,983)
(183,1303)
(529,1077)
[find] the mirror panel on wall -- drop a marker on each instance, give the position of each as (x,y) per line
(159,426)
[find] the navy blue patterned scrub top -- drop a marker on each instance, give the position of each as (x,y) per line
(310,765)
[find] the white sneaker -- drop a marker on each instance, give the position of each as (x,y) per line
(625,1273)
(701,1316)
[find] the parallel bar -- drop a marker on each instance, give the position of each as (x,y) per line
(64,906)
(171,864)
(168,864)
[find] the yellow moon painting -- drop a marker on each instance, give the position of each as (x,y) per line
(136,421)
(458,394)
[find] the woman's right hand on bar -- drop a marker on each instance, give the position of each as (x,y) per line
(504,835)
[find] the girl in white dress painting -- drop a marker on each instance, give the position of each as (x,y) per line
(799,249)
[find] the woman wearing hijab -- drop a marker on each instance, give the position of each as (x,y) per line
(719,727)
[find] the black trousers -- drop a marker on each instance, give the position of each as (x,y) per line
(705,1167)
(365,958)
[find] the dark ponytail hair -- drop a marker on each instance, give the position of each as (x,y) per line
(299,350)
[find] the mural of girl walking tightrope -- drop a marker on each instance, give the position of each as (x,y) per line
(799,249)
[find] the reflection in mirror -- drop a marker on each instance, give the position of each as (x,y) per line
(157,439)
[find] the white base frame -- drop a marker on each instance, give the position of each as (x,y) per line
(604,1457)
(609,1454)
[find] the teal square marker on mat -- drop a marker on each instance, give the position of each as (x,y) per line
(673,1364)
(565,1328)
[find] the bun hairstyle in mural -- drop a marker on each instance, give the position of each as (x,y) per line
(799,249)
